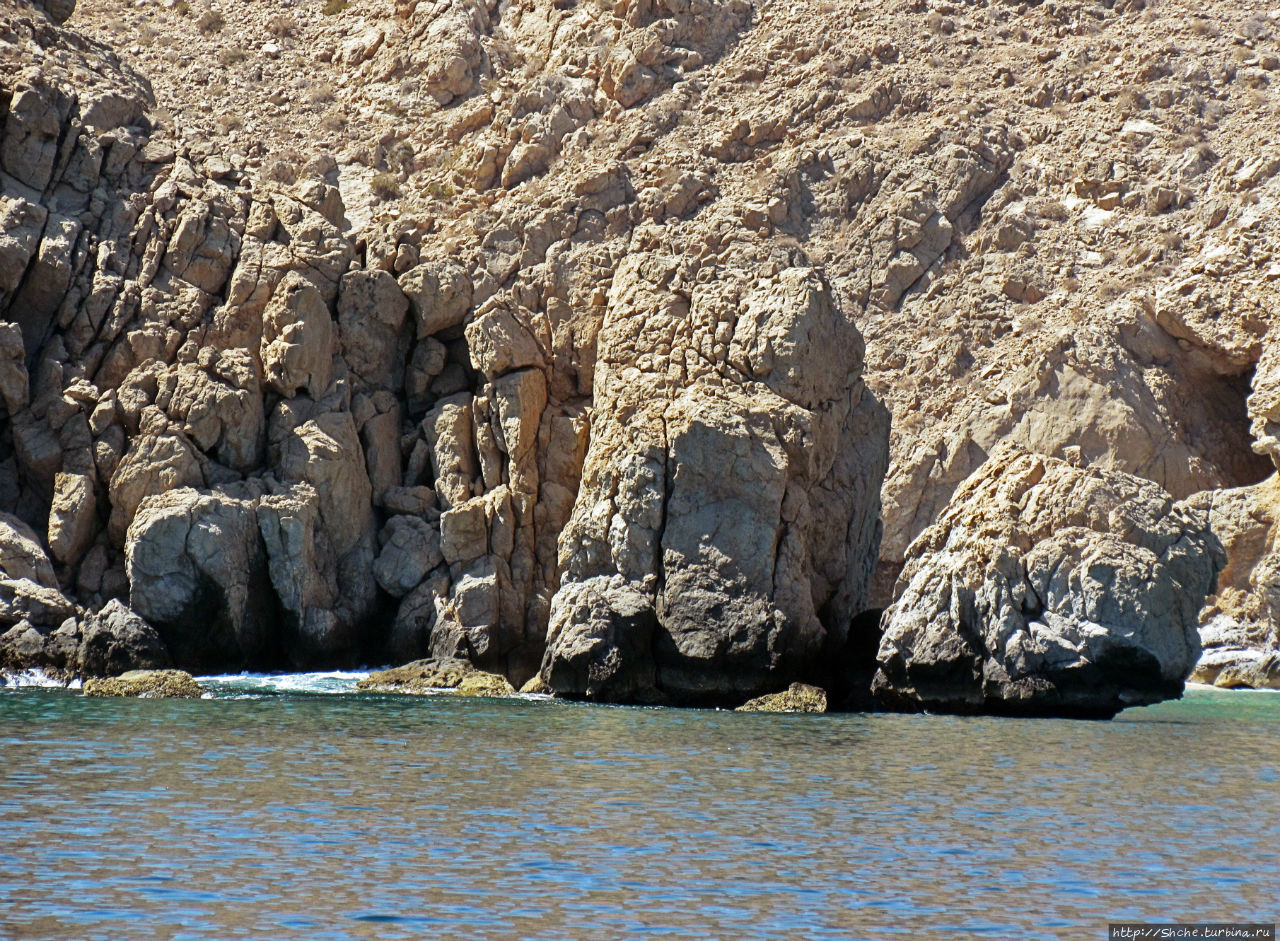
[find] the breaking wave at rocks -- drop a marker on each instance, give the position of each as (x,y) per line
(34,678)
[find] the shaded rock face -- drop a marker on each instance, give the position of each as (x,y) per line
(116,640)
(58,10)
(37,622)
(104,644)
(198,572)
(1046,589)
(727,523)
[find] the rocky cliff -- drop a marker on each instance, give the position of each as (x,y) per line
(564,337)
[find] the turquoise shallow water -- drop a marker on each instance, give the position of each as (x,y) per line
(275,812)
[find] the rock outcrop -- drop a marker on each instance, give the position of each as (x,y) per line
(116,641)
(727,524)
(423,677)
(146,684)
(198,572)
(1047,589)
(798,697)
(1240,622)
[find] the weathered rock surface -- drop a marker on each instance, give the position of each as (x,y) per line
(1047,589)
(116,640)
(411,549)
(798,697)
(111,641)
(21,555)
(434,675)
(198,572)
(146,684)
(727,525)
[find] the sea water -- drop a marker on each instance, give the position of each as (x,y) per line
(295,807)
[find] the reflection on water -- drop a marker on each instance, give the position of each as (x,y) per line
(283,814)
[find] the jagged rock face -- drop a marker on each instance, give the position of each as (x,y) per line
(36,618)
(1047,589)
(168,321)
(39,626)
(21,555)
(727,523)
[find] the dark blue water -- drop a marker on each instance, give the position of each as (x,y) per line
(294,815)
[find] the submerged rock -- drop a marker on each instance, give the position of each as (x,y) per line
(484,684)
(434,675)
(1046,589)
(798,697)
(146,684)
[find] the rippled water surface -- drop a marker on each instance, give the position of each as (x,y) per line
(278,809)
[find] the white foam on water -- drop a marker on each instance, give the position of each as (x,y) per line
(34,678)
(330,682)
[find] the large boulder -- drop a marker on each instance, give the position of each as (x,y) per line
(439,294)
(22,599)
(371,313)
(21,555)
(297,338)
(321,539)
(726,527)
(410,549)
(1048,589)
(198,572)
(116,640)
(59,10)
(154,464)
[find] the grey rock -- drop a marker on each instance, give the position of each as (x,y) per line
(739,498)
(21,555)
(116,640)
(1048,589)
(410,549)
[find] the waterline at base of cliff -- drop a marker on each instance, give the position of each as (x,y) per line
(276,806)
